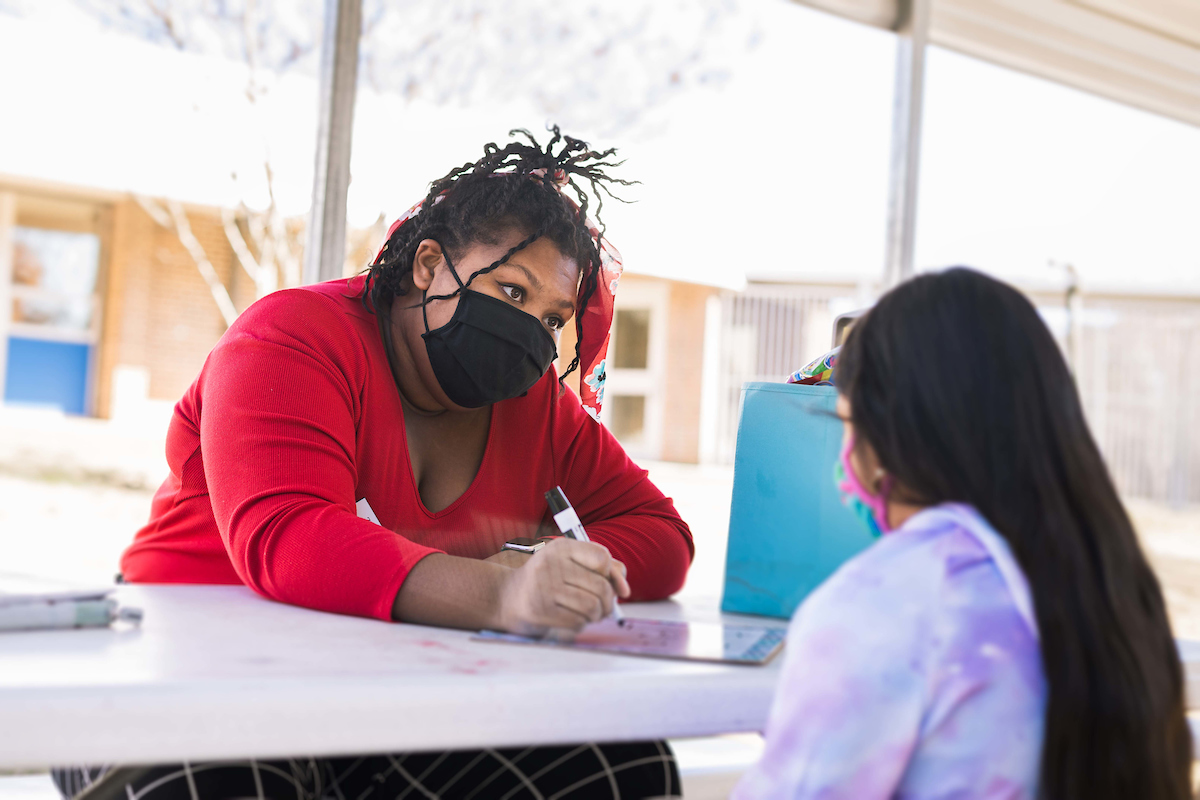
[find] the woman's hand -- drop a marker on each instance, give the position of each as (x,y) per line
(567,584)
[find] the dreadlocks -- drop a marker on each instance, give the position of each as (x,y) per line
(515,187)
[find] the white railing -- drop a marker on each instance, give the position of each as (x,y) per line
(1139,372)
(764,334)
(1139,379)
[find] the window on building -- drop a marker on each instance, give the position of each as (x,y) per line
(54,280)
(633,339)
(51,326)
(633,407)
(629,417)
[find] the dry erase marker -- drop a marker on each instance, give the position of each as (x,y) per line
(568,522)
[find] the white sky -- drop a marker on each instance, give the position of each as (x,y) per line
(782,172)
(1017,171)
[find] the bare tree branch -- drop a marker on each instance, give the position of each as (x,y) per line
(167,20)
(190,243)
(595,67)
(264,275)
(156,212)
(174,219)
(286,247)
(590,64)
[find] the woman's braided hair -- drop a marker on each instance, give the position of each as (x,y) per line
(510,188)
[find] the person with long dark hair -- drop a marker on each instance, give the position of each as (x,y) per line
(1005,637)
(378,446)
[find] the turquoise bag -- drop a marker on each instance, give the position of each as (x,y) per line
(788,529)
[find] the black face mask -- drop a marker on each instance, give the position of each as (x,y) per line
(488,351)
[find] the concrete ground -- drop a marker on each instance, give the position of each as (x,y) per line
(72,493)
(73,524)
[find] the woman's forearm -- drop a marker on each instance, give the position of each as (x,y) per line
(656,551)
(451,592)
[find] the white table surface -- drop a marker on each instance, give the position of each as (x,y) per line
(1189,651)
(217,672)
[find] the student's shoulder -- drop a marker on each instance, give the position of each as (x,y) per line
(903,573)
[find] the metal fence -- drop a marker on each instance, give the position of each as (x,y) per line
(1138,371)
(1138,378)
(766,333)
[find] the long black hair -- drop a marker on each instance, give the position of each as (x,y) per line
(510,188)
(960,389)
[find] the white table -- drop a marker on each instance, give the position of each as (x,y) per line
(1190,653)
(217,672)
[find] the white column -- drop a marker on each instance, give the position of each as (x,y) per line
(710,382)
(326,247)
(8,219)
(912,36)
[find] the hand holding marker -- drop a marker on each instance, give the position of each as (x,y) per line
(568,523)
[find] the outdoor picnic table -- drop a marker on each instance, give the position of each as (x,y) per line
(1190,651)
(218,672)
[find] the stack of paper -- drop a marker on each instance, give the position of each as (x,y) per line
(28,603)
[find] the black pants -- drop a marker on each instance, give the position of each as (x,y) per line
(628,771)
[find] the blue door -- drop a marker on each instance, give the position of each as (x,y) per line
(47,374)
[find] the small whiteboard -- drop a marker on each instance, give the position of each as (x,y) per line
(684,641)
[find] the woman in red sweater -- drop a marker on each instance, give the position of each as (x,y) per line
(368,446)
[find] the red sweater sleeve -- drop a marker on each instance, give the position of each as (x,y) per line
(618,504)
(278,434)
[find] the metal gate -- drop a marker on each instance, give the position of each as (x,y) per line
(1138,373)
(765,334)
(1140,384)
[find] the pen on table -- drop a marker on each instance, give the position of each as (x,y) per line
(568,523)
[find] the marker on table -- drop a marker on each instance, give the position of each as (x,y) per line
(568,523)
(47,615)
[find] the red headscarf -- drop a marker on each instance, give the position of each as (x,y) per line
(595,320)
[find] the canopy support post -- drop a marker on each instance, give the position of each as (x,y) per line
(325,249)
(912,36)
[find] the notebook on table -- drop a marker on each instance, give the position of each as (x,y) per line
(33,603)
(18,589)
(685,641)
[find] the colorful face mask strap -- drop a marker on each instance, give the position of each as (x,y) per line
(872,508)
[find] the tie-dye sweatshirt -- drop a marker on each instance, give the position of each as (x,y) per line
(914,672)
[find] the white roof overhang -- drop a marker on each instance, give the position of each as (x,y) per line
(1145,53)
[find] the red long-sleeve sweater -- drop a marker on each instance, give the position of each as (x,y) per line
(295,417)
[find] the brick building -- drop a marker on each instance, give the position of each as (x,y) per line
(107,305)
(111,317)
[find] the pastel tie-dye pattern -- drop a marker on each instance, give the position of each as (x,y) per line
(914,672)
